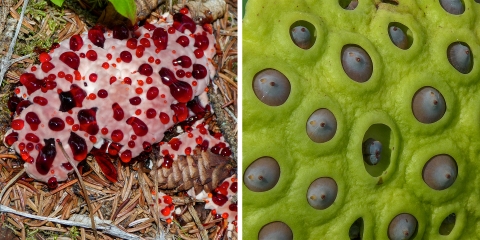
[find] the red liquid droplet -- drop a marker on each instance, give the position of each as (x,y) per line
(147,147)
(135,101)
(181,112)
(120,32)
(126,56)
(79,147)
(164,118)
(219,199)
(117,135)
(92,55)
(138,126)
(145,69)
(71,59)
(12,138)
(183,61)
(56,124)
(126,156)
(52,183)
(30,82)
(151,113)
(160,38)
(47,66)
(33,120)
(199,71)
(183,40)
(117,112)
(18,124)
(76,42)
(46,156)
(182,22)
(88,121)
(102,93)
(181,91)
(95,35)
(201,41)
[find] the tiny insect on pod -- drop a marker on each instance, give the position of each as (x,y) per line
(428,105)
(356,63)
(440,172)
(402,227)
(371,150)
(275,230)
(271,87)
(322,193)
(455,7)
(460,56)
(262,175)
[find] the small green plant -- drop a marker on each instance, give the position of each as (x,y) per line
(126,8)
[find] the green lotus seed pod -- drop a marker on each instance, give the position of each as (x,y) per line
(414,94)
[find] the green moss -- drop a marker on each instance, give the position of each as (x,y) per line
(379,108)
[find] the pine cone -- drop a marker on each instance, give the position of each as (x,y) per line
(203,170)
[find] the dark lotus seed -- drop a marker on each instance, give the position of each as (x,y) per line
(301,37)
(428,105)
(321,125)
(440,172)
(402,227)
(460,56)
(447,224)
(455,7)
(372,150)
(322,193)
(271,87)
(356,63)
(262,175)
(275,231)
(352,5)
(398,37)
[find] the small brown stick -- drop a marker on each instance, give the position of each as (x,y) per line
(85,193)
(11,182)
(62,187)
(203,232)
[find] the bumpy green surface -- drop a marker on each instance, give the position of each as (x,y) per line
(380,107)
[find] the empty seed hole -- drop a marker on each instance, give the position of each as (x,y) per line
(271,87)
(455,7)
(322,193)
(393,2)
(303,34)
(376,149)
(321,125)
(275,230)
(428,105)
(460,56)
(356,230)
(356,63)
(400,35)
(262,175)
(440,172)
(402,227)
(447,224)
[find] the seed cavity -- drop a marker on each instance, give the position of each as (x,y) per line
(356,63)
(428,105)
(262,175)
(356,230)
(275,230)
(402,227)
(398,33)
(455,7)
(321,126)
(271,87)
(348,4)
(440,172)
(302,34)
(371,150)
(460,56)
(322,193)
(447,224)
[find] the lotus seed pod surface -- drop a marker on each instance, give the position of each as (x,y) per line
(418,102)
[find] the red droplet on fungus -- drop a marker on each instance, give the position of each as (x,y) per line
(76,42)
